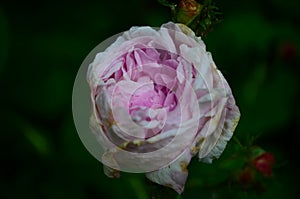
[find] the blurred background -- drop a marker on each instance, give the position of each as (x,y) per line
(42,45)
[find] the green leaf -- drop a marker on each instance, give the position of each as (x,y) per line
(169,3)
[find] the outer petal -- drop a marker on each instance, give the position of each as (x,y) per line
(174,175)
(110,172)
(227,127)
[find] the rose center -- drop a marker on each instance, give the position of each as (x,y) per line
(152,96)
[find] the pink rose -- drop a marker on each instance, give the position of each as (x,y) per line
(157,100)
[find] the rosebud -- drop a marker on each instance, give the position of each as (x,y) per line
(264,163)
(188,10)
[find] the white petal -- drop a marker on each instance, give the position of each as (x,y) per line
(174,175)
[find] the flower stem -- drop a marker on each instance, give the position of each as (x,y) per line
(238,141)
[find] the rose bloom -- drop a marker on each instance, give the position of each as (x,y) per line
(157,100)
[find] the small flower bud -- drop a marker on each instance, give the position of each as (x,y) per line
(188,10)
(264,163)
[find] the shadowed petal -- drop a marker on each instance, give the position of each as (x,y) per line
(174,175)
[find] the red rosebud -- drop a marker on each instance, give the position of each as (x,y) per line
(264,163)
(187,11)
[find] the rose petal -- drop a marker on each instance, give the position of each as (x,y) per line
(174,175)
(226,128)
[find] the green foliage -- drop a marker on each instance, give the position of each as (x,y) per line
(169,3)
(210,16)
(201,22)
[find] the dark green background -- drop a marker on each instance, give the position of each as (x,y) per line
(42,45)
